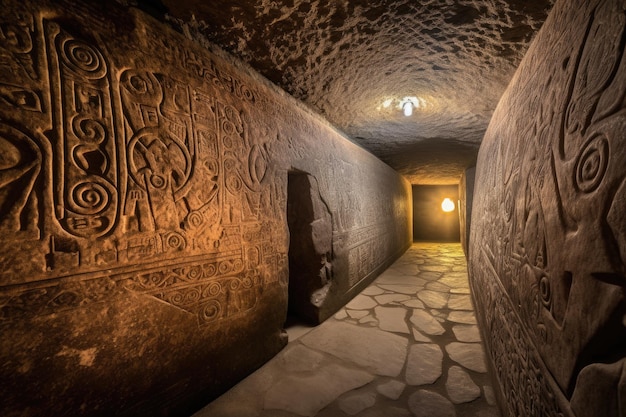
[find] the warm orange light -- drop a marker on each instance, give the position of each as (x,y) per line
(447,205)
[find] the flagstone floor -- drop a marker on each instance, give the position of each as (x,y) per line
(407,345)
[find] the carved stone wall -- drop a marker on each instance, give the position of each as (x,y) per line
(548,232)
(466,197)
(143,189)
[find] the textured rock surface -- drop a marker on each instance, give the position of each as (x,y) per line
(547,242)
(143,205)
(346,58)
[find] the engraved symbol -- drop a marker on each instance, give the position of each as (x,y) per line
(591,164)
(82,58)
(89,198)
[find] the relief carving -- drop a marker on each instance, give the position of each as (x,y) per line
(143,167)
(555,208)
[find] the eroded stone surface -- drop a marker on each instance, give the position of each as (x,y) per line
(433,299)
(334,55)
(355,402)
(466,333)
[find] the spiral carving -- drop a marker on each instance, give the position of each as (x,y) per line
(545,291)
(591,164)
(175,241)
(89,130)
(211,310)
(83,59)
(89,197)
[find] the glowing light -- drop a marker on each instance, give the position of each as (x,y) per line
(407,108)
(387,102)
(447,205)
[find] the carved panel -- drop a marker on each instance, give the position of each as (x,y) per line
(551,187)
(140,169)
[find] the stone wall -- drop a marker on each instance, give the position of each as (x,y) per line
(143,211)
(548,232)
(466,196)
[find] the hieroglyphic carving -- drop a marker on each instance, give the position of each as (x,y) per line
(144,168)
(85,155)
(549,210)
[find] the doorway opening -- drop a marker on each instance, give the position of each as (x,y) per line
(310,247)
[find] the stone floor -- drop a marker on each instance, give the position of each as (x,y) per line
(408,345)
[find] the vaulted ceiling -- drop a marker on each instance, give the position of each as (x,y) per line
(357,61)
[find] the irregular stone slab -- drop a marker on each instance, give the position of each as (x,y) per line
(466,317)
(357,314)
(361,302)
(391,319)
(402,288)
(371,348)
(455,280)
(391,389)
(466,333)
(433,299)
(469,355)
(460,302)
(299,358)
(435,268)
(369,320)
(460,386)
(373,290)
(424,403)
(341,314)
(413,303)
(460,291)
(355,402)
(391,298)
(429,275)
(423,321)
(420,337)
(384,410)
(437,286)
(423,364)
(306,395)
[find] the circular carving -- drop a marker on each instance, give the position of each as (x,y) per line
(157,181)
(176,298)
(194,273)
(545,291)
(210,270)
(89,130)
(89,197)
(83,58)
(153,151)
(247,282)
(195,219)
(228,128)
(246,93)
(192,296)
(211,310)
(212,290)
(225,267)
(233,183)
(234,284)
(237,265)
(591,164)
(174,240)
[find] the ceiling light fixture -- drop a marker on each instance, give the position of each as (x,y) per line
(447,205)
(407,108)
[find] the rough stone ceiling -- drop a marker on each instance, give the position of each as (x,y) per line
(346,59)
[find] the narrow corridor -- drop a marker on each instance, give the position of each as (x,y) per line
(408,345)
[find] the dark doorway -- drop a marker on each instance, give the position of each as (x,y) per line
(310,247)
(430,222)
